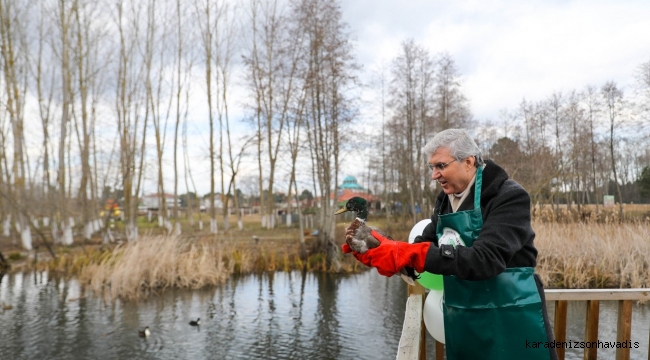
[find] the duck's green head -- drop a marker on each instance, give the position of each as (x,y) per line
(358,205)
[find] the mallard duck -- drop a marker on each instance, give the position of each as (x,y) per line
(196,323)
(145,332)
(363,240)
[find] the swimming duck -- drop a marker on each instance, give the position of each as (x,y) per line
(363,240)
(196,323)
(144,333)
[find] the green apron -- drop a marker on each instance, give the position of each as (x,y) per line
(498,318)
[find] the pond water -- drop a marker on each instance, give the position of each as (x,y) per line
(271,316)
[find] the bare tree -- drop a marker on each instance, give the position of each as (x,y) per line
(555,110)
(205,21)
(224,52)
(452,108)
(613,98)
(329,74)
(592,104)
(88,37)
(130,101)
(273,74)
(13,46)
(44,80)
(159,90)
(217,34)
(182,74)
(411,101)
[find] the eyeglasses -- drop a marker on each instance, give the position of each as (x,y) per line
(439,166)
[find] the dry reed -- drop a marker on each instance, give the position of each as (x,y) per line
(152,264)
(563,213)
(571,255)
(579,255)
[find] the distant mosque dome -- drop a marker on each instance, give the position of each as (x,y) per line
(350,182)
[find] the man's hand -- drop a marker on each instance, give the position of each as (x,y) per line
(391,256)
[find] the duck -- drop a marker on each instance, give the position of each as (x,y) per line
(363,240)
(196,323)
(145,332)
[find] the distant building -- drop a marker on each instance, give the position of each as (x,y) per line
(152,201)
(351,188)
(350,183)
(218,203)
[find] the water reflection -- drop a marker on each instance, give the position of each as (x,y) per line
(271,316)
(279,315)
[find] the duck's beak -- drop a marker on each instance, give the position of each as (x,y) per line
(341,211)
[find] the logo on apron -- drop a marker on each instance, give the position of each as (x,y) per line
(450,237)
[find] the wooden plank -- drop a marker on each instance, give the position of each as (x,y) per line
(597,294)
(624,328)
(591,330)
(418,289)
(559,325)
(440,350)
(409,342)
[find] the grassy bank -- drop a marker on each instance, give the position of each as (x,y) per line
(156,262)
(571,255)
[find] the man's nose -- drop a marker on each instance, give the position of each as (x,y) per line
(435,174)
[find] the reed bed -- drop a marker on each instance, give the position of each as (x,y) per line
(581,256)
(571,255)
(156,262)
(562,213)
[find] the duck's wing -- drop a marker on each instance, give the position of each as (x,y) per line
(362,239)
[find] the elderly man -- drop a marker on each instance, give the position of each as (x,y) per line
(480,238)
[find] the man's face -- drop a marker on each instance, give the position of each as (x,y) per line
(456,174)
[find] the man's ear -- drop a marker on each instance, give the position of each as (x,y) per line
(469,161)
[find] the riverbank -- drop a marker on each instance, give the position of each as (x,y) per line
(156,262)
(573,255)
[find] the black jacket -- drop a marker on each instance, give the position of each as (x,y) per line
(505,241)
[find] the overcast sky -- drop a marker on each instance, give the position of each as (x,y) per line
(508,50)
(505,51)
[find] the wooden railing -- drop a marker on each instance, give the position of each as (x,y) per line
(412,344)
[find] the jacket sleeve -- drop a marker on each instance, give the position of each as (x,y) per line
(506,229)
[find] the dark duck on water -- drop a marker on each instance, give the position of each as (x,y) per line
(144,332)
(362,240)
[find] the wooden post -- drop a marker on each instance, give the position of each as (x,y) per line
(440,350)
(410,344)
(417,289)
(624,328)
(591,330)
(559,326)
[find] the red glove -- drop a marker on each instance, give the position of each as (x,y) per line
(391,256)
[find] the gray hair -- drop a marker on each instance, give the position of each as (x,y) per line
(458,141)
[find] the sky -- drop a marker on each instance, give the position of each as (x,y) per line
(504,50)
(510,50)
